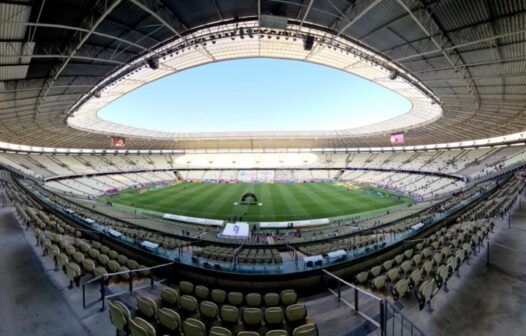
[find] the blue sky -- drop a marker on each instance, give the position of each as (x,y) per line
(256,95)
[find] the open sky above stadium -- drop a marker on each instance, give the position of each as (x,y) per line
(256,95)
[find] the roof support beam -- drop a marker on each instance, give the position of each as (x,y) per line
(508,75)
(358,17)
(219,14)
(307,11)
(54,87)
(505,60)
(352,21)
(144,7)
(92,23)
(77,29)
(427,24)
(457,33)
(461,45)
(70,57)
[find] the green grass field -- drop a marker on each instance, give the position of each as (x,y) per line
(280,202)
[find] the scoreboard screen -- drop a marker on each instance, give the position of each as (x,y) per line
(397,138)
(118,142)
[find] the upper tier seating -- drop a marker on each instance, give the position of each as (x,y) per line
(474,162)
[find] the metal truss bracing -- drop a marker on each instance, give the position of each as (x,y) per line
(90,23)
(356,60)
(466,55)
(425,21)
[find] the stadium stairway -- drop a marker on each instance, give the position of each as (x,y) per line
(33,303)
(35,298)
(335,318)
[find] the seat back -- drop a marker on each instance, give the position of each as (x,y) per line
(252,316)
(362,277)
(201,292)
(387,265)
(427,267)
(296,312)
(147,306)
(253,299)
(117,318)
(437,259)
(247,333)
(78,256)
(400,289)
(169,295)
(140,327)
(305,330)
(186,287)
(235,298)
(72,270)
(218,296)
(417,259)
(193,327)
(189,303)
(271,299)
(399,259)
(378,282)
(219,331)
(208,309)
(393,274)
(89,265)
(113,266)
(93,253)
(406,267)
(62,260)
(169,319)
(288,297)
(103,259)
(122,259)
(274,315)
(376,270)
(99,271)
(229,314)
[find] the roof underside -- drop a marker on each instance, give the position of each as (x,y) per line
(471,54)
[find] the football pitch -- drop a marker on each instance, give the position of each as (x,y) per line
(277,202)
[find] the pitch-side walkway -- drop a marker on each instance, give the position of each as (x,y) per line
(31,304)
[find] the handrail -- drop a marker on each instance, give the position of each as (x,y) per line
(395,310)
(377,298)
(105,276)
(509,248)
(355,306)
(384,315)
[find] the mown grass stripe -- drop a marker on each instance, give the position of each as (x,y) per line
(281,202)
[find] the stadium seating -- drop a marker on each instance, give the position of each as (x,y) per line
(427,267)
(252,315)
(137,170)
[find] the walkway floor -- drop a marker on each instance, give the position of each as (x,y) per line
(31,303)
(483,301)
(35,298)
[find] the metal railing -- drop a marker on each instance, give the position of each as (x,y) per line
(396,324)
(506,259)
(104,279)
(355,305)
(386,316)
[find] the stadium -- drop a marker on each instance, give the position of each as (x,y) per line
(407,224)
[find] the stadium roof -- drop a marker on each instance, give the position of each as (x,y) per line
(58,56)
